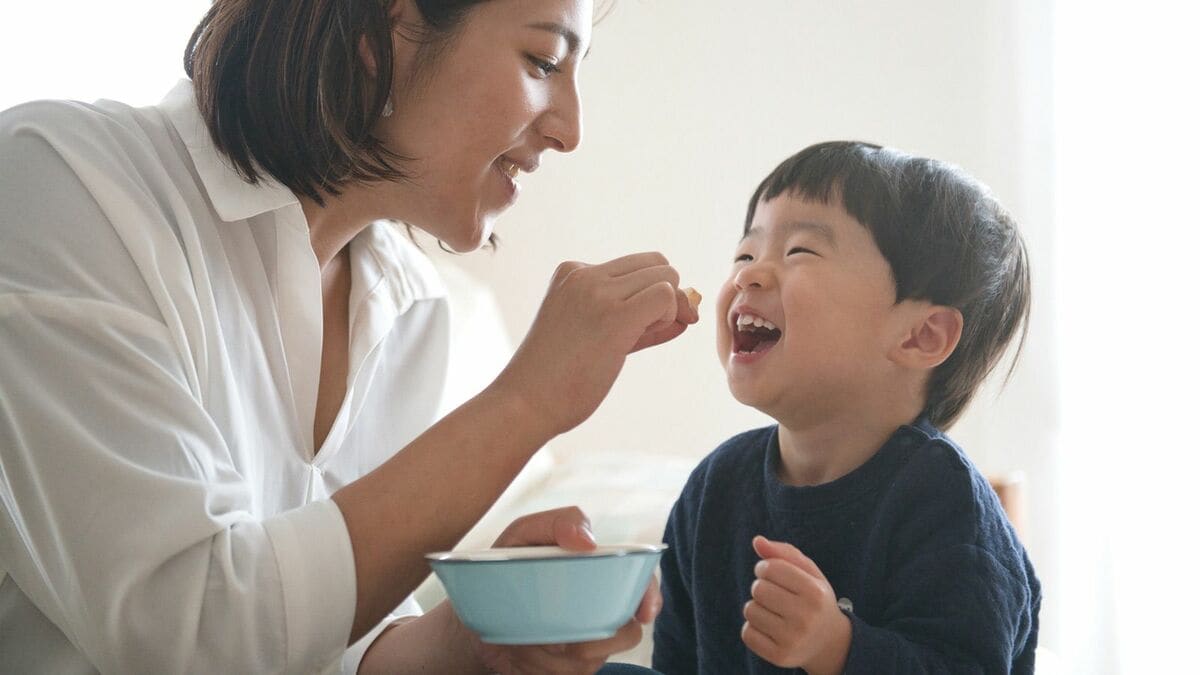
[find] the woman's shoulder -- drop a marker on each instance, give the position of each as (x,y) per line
(73,125)
(106,145)
(70,174)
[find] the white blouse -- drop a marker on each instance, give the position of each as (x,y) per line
(162,507)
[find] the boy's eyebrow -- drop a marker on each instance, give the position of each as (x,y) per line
(819,229)
(567,34)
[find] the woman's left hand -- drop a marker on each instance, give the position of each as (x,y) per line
(569,528)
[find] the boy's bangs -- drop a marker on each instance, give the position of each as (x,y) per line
(845,174)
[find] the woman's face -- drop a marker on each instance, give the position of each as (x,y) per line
(501,92)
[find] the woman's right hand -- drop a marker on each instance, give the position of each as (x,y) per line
(592,317)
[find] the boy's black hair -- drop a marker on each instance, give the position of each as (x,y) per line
(946,239)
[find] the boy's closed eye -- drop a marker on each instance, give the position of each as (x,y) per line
(795,250)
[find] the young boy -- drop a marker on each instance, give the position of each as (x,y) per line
(870,295)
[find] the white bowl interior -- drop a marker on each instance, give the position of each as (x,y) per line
(541,553)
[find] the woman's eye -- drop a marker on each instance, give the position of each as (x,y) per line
(800,249)
(745,257)
(545,68)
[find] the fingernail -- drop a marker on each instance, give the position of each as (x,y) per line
(586,532)
(761,567)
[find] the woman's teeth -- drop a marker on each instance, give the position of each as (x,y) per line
(509,168)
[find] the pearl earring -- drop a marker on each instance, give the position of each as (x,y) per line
(387,108)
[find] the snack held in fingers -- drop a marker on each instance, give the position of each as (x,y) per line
(693,297)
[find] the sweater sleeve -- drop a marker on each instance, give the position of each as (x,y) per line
(957,610)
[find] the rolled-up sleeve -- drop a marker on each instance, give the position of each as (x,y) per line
(124,520)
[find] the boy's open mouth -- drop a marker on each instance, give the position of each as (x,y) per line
(754,334)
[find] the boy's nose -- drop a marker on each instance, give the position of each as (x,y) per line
(752,275)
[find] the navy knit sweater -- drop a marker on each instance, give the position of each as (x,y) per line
(915,539)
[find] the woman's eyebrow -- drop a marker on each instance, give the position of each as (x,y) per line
(567,34)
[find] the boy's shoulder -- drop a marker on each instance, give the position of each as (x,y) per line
(942,493)
(935,454)
(734,461)
(747,447)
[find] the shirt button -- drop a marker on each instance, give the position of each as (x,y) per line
(318,470)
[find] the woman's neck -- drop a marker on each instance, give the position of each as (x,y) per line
(331,226)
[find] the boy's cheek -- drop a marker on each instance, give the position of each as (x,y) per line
(721,311)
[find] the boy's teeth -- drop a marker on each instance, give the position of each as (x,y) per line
(744,321)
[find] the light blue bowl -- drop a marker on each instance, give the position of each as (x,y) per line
(545,594)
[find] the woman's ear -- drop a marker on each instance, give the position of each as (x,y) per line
(930,337)
(368,59)
(398,12)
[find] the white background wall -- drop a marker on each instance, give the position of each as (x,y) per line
(688,103)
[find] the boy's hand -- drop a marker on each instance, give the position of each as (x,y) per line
(792,619)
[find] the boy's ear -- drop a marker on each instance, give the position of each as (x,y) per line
(930,337)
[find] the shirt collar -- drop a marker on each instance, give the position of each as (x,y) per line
(232,196)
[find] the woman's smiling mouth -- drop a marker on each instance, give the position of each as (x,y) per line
(508,168)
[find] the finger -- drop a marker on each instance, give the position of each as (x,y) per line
(760,643)
(624,639)
(567,527)
(629,285)
(775,598)
(653,304)
(551,659)
(766,621)
(651,602)
(661,332)
(630,263)
(791,578)
(766,548)
(575,657)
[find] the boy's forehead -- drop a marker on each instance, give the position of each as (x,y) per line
(787,214)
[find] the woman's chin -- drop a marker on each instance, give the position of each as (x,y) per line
(466,245)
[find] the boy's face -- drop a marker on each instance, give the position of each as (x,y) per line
(814,275)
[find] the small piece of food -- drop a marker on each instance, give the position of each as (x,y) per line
(693,297)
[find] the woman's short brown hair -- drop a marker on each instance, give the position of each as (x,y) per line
(284,91)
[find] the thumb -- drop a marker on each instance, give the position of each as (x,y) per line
(567,527)
(766,548)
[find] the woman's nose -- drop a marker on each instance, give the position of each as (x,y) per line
(562,124)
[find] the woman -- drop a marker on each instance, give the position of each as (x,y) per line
(219,369)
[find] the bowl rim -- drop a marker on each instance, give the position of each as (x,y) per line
(510,554)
